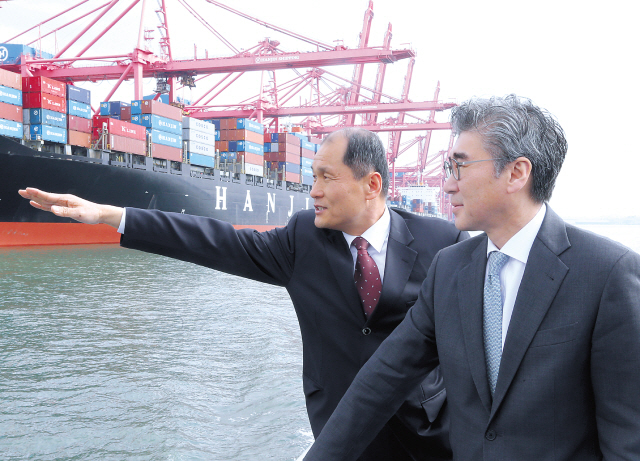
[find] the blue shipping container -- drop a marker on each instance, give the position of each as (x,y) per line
(215,122)
(202,160)
(248,146)
(136,107)
(306,145)
(248,124)
(11,128)
(304,161)
(166,139)
(306,171)
(228,155)
(290,167)
(47,117)
(79,109)
(10,96)
(160,123)
(110,108)
(267,147)
(308,180)
(48,133)
(75,93)
(10,53)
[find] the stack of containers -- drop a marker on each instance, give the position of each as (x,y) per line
(199,137)
(78,116)
(245,140)
(112,109)
(122,136)
(417,205)
(46,100)
(163,122)
(283,161)
(11,115)
(307,151)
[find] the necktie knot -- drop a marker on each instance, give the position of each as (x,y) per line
(497,260)
(360,243)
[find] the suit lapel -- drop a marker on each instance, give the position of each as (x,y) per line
(470,290)
(398,264)
(541,281)
(341,263)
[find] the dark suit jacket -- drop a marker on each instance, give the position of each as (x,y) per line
(316,268)
(569,381)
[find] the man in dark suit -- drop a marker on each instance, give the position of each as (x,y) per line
(535,324)
(314,259)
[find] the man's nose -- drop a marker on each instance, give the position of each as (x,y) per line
(450,185)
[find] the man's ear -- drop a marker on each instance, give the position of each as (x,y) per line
(373,185)
(519,174)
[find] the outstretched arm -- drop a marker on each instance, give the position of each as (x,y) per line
(70,206)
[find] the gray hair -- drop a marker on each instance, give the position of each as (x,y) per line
(365,152)
(513,127)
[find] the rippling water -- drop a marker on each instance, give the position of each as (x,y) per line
(112,354)
(107,353)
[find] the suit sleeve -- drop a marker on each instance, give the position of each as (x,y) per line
(615,362)
(401,362)
(263,256)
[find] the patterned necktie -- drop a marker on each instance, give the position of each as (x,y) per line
(492,317)
(367,277)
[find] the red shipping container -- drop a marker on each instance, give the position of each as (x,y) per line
(282,157)
(76,123)
(119,128)
(44,101)
(315,140)
(291,177)
(289,148)
(306,153)
(222,146)
(228,124)
(246,135)
(266,138)
(166,152)
(11,112)
(128,145)
(44,85)
(149,106)
(250,157)
(125,113)
(289,139)
(10,79)
(79,138)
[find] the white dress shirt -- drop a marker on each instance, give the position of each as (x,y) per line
(517,248)
(124,216)
(377,236)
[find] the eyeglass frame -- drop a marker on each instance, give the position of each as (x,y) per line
(449,170)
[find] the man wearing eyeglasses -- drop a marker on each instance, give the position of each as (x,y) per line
(535,323)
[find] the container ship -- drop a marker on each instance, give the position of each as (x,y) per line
(141,153)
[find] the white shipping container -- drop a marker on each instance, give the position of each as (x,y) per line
(256,170)
(26,114)
(199,136)
(201,148)
(198,125)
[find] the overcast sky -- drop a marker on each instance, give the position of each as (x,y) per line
(576,59)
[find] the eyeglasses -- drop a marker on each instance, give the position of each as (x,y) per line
(450,170)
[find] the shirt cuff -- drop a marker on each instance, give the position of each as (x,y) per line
(121,226)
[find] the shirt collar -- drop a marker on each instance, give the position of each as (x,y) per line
(519,246)
(376,234)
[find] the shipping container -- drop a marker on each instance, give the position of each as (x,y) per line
(75,93)
(248,146)
(215,122)
(228,156)
(119,128)
(281,157)
(47,117)
(198,136)
(164,138)
(166,152)
(11,96)
(200,148)
(251,125)
(48,133)
(285,138)
(308,180)
(201,160)
(78,124)
(136,107)
(304,161)
(222,146)
(289,148)
(79,109)
(44,101)
(10,53)
(306,145)
(163,110)
(306,171)
(250,158)
(225,136)
(79,138)
(11,128)
(11,112)
(245,135)
(125,114)
(307,153)
(202,126)
(112,108)
(287,176)
(10,79)
(44,85)
(159,123)
(128,145)
(255,170)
